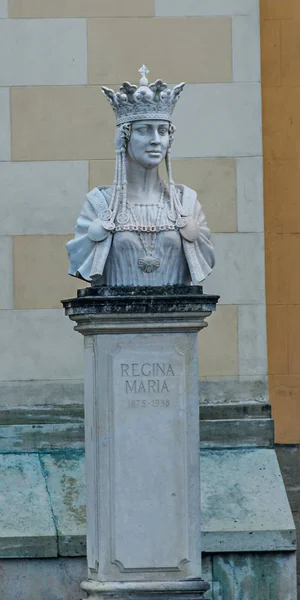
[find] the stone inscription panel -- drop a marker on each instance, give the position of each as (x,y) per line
(148,384)
(148,457)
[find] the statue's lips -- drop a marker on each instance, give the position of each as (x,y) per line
(154,152)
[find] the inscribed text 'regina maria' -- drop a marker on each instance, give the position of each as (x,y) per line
(137,375)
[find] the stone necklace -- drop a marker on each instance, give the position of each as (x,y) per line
(149,262)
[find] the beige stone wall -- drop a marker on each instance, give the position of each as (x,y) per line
(56,142)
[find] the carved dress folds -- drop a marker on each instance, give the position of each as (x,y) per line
(114,261)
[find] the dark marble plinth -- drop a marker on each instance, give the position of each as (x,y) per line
(141,300)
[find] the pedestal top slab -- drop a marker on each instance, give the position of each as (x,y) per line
(126,309)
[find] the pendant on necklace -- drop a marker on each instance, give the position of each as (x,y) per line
(123,218)
(148,264)
(172,215)
(106,214)
(181,222)
(109,225)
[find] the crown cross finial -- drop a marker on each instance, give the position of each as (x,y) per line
(144,71)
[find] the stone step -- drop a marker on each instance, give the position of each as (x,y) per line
(38,429)
(42,503)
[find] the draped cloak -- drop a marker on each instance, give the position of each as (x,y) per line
(112,261)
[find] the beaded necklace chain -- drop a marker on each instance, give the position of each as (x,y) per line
(149,262)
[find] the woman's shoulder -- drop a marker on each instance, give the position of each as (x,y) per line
(99,197)
(101,191)
(188,195)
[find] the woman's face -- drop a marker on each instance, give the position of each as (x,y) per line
(148,142)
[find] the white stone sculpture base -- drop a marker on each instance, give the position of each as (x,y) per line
(142,442)
(189,590)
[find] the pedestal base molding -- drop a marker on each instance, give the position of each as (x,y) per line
(192,589)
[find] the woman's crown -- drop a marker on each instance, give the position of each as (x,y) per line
(154,101)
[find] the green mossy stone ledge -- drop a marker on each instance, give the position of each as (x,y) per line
(42,503)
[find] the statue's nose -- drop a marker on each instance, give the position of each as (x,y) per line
(155,138)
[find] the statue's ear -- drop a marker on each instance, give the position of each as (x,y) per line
(172,130)
(122,136)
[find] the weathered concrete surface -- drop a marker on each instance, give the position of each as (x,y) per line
(48,579)
(59,392)
(237,433)
(74,413)
(236,425)
(207,562)
(244,502)
(245,411)
(289,460)
(46,428)
(258,576)
(32,393)
(227,433)
(26,523)
(65,480)
(41,437)
(42,415)
(226,390)
(267,576)
(244,508)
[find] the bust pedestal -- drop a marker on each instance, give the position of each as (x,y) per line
(142,439)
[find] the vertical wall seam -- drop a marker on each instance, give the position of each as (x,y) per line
(54,519)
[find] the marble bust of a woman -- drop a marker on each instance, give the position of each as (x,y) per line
(142,231)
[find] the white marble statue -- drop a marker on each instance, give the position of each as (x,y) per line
(141,231)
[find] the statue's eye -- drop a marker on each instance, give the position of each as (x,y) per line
(142,130)
(162,130)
